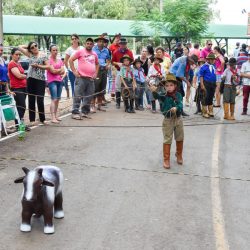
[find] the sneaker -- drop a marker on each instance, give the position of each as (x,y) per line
(244,113)
(118,106)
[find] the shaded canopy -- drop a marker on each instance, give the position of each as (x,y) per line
(34,25)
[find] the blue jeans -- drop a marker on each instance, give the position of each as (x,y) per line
(65,82)
(55,90)
(139,93)
(72,80)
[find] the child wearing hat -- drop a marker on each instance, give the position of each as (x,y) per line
(156,73)
(208,85)
(128,83)
(140,79)
(171,108)
(198,93)
(231,77)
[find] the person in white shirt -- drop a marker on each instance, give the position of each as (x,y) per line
(75,46)
(236,50)
(245,74)
(156,73)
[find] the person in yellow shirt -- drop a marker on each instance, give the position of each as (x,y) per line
(160,53)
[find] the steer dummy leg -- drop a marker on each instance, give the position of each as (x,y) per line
(59,214)
(26,217)
(48,219)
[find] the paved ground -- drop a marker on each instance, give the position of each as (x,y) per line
(117,196)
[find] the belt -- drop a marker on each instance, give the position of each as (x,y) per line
(87,77)
(102,68)
(229,86)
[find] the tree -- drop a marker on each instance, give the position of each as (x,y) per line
(187,19)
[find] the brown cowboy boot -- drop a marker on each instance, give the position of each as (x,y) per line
(210,111)
(166,155)
(226,111)
(232,106)
(204,112)
(179,150)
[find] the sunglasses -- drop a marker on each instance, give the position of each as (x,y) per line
(35,46)
(210,44)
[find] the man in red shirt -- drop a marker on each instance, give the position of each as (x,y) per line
(207,50)
(115,44)
(117,55)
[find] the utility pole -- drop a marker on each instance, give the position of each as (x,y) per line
(1,21)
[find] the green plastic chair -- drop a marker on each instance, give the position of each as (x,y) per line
(8,111)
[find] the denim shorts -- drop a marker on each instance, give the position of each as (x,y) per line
(218,78)
(55,90)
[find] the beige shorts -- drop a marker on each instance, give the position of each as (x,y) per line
(172,126)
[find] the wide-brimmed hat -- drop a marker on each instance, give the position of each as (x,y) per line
(101,38)
(194,58)
(232,61)
(170,78)
(126,57)
(201,60)
(137,60)
(211,56)
(158,58)
(123,41)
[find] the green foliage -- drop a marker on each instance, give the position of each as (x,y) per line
(182,19)
(187,19)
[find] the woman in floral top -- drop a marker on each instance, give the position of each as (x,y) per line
(36,84)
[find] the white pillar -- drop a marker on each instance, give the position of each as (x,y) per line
(1,21)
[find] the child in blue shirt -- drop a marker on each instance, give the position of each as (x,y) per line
(208,85)
(196,85)
(140,78)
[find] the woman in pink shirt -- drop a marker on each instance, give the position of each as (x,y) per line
(219,65)
(55,81)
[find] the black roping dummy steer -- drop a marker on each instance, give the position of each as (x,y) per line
(42,195)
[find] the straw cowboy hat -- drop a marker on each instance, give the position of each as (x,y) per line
(126,57)
(101,38)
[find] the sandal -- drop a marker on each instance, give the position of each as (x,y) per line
(58,119)
(86,116)
(45,122)
(55,121)
(100,109)
(76,116)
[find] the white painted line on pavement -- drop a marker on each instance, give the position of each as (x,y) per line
(16,133)
(218,218)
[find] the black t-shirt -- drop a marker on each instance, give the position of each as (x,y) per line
(178,52)
(145,66)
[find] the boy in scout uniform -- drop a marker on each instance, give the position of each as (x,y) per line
(208,85)
(231,77)
(171,107)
